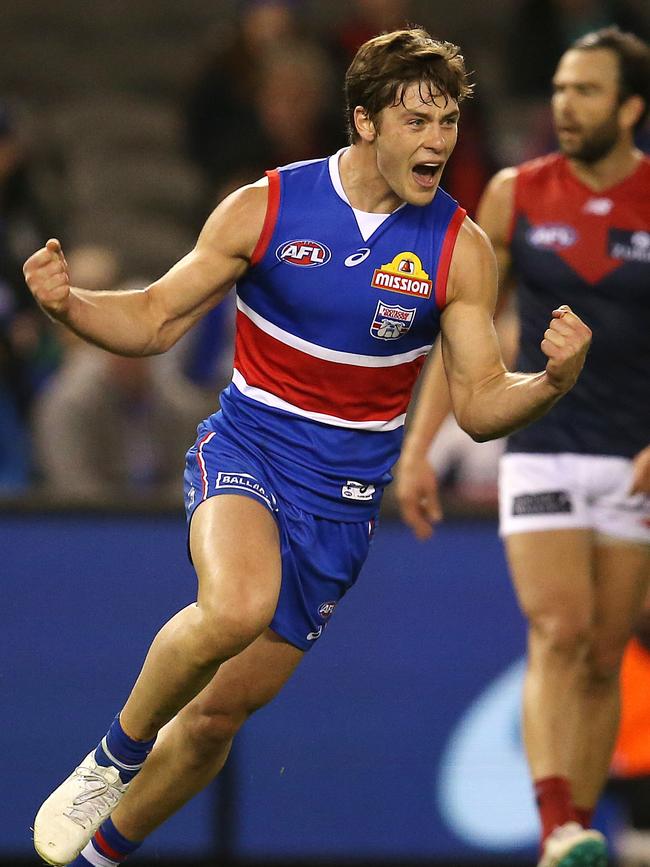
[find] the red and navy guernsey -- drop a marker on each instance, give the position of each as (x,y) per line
(332,331)
(571,245)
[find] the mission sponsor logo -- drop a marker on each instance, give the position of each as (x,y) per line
(552,236)
(303,254)
(245,482)
(391,321)
(404,274)
(629,246)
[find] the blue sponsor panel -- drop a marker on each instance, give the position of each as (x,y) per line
(83,598)
(397,738)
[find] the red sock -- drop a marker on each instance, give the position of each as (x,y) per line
(584,815)
(553,796)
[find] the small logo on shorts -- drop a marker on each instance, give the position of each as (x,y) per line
(545,503)
(314,635)
(190,497)
(357,491)
(245,482)
(326,610)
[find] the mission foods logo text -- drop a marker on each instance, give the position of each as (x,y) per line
(404,274)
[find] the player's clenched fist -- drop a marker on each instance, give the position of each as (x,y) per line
(565,344)
(46,274)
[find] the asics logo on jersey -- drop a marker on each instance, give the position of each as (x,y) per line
(357,258)
(303,254)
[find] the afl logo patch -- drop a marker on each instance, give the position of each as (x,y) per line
(551,236)
(303,254)
(326,610)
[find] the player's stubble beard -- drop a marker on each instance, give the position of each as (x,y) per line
(597,144)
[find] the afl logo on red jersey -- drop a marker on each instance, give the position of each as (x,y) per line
(304,254)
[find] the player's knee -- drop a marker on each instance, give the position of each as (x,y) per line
(226,628)
(558,634)
(209,731)
(603,662)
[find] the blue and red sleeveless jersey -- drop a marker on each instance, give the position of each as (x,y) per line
(332,331)
(571,245)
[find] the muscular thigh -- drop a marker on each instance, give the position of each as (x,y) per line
(248,681)
(552,572)
(235,550)
(622,579)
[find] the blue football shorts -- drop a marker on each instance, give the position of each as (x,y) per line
(321,558)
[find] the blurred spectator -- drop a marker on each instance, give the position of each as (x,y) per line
(365,19)
(27,346)
(109,428)
(264,98)
(217,109)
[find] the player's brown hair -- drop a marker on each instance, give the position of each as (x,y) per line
(633,56)
(384,66)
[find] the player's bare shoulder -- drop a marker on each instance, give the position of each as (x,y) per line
(473,266)
(496,208)
(236,224)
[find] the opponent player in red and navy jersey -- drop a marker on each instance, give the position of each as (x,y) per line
(575,485)
(345,270)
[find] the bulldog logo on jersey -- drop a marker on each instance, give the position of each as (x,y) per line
(404,274)
(391,321)
(304,254)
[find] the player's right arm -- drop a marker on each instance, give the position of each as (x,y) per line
(415,481)
(151,320)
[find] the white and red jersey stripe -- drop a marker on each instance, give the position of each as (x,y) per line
(277,368)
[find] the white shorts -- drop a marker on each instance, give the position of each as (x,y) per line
(562,491)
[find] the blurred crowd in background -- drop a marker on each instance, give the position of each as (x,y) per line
(119,134)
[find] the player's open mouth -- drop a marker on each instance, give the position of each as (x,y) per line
(426,174)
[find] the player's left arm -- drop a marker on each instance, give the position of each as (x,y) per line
(641,472)
(488,400)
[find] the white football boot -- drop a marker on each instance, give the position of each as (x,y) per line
(73,812)
(571,845)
